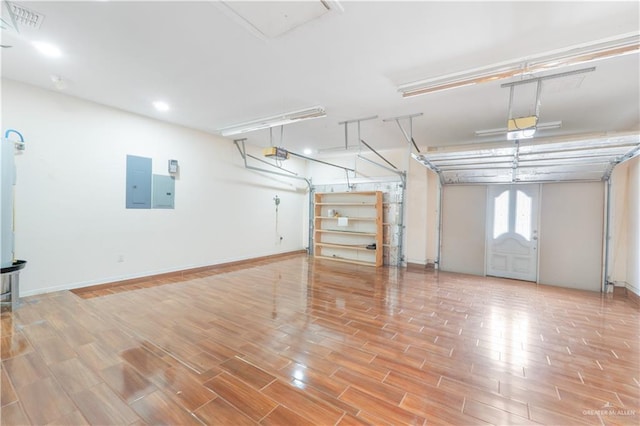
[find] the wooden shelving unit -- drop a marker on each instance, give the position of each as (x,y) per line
(348,234)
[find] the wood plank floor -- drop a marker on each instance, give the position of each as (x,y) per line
(297,341)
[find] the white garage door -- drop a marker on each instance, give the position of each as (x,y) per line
(463,228)
(571,172)
(570,233)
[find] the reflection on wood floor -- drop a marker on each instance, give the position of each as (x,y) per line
(295,341)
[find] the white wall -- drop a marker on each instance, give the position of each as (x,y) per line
(464,210)
(624,261)
(72,225)
(633,226)
(571,235)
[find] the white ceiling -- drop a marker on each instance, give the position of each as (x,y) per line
(216,70)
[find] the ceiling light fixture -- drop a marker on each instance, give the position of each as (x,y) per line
(273,121)
(307,151)
(161,106)
(47,49)
(503,130)
(578,54)
(521,127)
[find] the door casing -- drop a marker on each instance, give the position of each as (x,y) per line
(514,252)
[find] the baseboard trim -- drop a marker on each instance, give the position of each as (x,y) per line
(619,291)
(633,297)
(416,266)
(184,273)
(419,267)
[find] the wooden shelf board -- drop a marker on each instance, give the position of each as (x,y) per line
(347,204)
(344,246)
(337,231)
(347,193)
(348,217)
(340,259)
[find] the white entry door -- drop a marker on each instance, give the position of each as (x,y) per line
(512,231)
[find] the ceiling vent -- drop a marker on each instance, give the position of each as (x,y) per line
(16,17)
(26,17)
(269,20)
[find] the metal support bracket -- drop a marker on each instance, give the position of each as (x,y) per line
(346,128)
(378,154)
(407,136)
(244,155)
(321,162)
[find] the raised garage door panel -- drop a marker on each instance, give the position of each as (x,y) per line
(571,235)
(463,228)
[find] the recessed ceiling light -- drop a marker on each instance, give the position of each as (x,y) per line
(47,49)
(161,106)
(307,151)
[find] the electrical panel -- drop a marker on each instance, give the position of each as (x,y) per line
(164,188)
(138,193)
